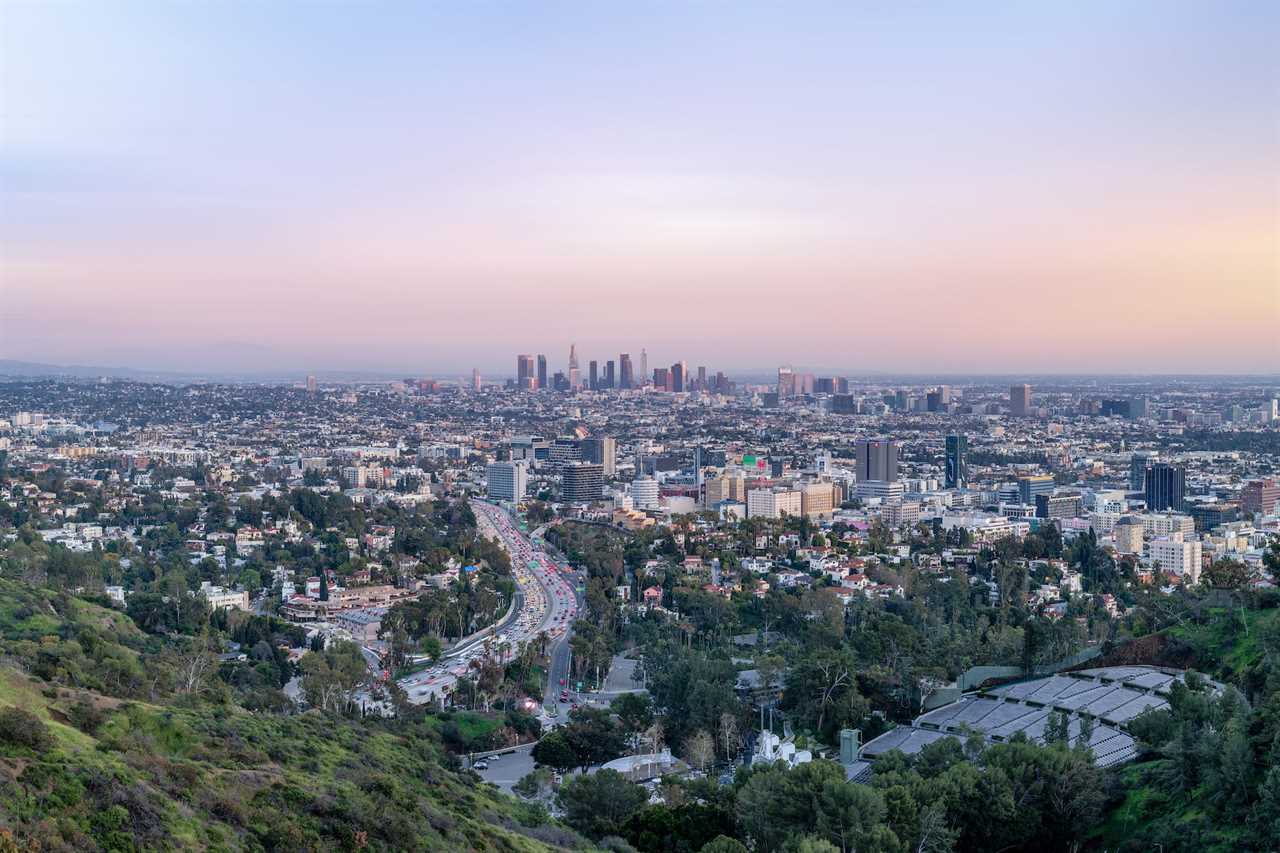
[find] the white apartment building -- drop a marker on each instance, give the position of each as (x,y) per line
(1167,524)
(773,503)
(1177,555)
(902,514)
(219,597)
(507,481)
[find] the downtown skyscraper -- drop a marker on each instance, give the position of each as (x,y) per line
(957,472)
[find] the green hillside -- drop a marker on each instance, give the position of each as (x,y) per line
(99,752)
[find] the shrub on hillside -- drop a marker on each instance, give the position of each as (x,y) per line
(23,728)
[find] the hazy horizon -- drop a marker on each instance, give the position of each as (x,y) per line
(1032,189)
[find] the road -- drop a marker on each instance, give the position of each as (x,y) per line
(546,602)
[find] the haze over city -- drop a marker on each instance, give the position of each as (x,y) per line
(1037,188)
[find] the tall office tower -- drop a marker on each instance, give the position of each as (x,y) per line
(608,374)
(603,451)
(525,377)
(475,379)
(679,376)
(593,381)
(1166,486)
(575,376)
(702,377)
(901,401)
(507,481)
(877,460)
(1020,400)
(1031,485)
(786,382)
(957,476)
(1260,496)
(311,385)
(644,364)
(583,482)
(1138,464)
(625,377)
(661,379)
(542,372)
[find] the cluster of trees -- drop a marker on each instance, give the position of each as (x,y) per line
(953,796)
(1210,778)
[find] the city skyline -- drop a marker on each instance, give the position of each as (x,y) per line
(1000,190)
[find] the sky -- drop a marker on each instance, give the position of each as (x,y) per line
(426,187)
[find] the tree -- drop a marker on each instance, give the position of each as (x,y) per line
(935,836)
(635,710)
(534,785)
(331,678)
(724,844)
(598,804)
(730,740)
(554,750)
(1226,574)
(700,750)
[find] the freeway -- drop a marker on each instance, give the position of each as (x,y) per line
(546,602)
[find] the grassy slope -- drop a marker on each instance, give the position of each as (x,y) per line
(1231,640)
(195,776)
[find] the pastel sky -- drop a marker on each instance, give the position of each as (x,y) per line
(424,187)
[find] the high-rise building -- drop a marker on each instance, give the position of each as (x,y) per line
(644,493)
(311,385)
(583,482)
(1138,464)
(575,375)
(525,376)
(1260,496)
(661,379)
(939,399)
(1066,505)
(644,364)
(626,379)
(786,382)
(1128,535)
(679,376)
(1178,555)
(774,503)
(593,380)
(877,460)
(507,481)
(608,374)
(1020,400)
(1031,485)
(1166,486)
(475,379)
(542,372)
(957,475)
(702,377)
(603,451)
(818,499)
